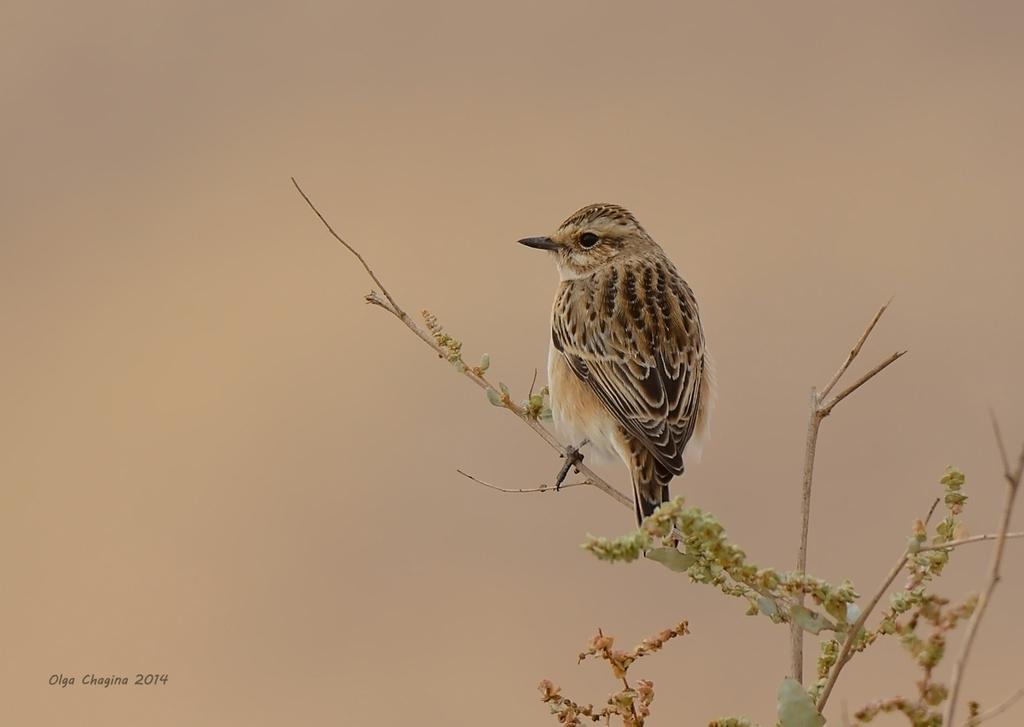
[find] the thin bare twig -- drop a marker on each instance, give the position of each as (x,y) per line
(971,539)
(999,441)
(389,304)
(369,271)
(1013,479)
(519,491)
(931,511)
(819,410)
(853,352)
(996,710)
(826,409)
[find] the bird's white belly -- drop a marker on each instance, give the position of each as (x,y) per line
(578,414)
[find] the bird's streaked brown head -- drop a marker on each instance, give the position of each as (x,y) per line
(591,237)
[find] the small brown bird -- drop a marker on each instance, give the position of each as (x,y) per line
(628,367)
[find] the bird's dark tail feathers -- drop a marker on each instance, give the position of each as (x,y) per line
(650,483)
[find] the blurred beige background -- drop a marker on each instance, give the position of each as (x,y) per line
(219,464)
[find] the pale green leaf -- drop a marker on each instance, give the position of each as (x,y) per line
(795,706)
(852,612)
(767,606)
(808,620)
(672,559)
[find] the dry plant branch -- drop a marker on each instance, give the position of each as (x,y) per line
(954,502)
(853,352)
(828,406)
(846,651)
(821,407)
(519,491)
(631,703)
(858,625)
(969,540)
(1013,479)
(475,375)
(931,511)
(369,271)
(927,651)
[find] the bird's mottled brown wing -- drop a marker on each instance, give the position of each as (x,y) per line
(632,332)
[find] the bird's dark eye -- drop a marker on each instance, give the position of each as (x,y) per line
(589,239)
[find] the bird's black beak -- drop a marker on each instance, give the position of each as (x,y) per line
(541,243)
